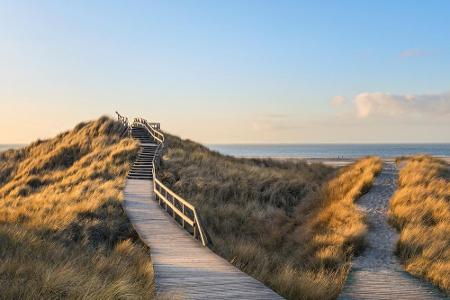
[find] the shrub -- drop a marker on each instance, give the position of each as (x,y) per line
(420,210)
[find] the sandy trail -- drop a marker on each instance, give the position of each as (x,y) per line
(377,273)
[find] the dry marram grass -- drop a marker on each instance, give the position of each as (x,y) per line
(63,233)
(420,209)
(292,225)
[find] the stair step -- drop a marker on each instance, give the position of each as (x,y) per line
(142,167)
(141,174)
(137,174)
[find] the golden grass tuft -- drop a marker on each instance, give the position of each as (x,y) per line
(63,233)
(420,210)
(292,225)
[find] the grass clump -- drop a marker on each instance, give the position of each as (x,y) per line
(63,233)
(420,210)
(290,224)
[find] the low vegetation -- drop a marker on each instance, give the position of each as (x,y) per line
(420,210)
(63,233)
(290,224)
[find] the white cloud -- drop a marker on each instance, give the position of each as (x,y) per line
(384,104)
(337,101)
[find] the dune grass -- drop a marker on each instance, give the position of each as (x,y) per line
(420,210)
(63,233)
(292,225)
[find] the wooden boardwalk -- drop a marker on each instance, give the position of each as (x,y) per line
(183,267)
(377,272)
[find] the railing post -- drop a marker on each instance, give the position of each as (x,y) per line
(182,219)
(173,203)
(165,191)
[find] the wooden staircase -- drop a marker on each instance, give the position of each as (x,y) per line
(184,266)
(143,166)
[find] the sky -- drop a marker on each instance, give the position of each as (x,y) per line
(230,71)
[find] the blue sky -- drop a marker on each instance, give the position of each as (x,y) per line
(231,71)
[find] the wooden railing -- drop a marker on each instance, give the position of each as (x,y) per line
(125,123)
(153,129)
(183,212)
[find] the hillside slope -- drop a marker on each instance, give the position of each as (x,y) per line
(292,225)
(420,209)
(63,233)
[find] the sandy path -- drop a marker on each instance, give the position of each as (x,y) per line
(377,273)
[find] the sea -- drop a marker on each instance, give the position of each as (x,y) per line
(317,150)
(4,147)
(330,150)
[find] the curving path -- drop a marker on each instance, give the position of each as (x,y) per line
(377,273)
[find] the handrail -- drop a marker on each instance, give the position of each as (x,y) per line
(153,128)
(185,211)
(124,121)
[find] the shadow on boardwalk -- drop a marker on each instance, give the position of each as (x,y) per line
(377,273)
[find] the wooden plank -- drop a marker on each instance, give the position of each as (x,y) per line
(182,265)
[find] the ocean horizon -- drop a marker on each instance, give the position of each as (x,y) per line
(4,147)
(317,150)
(331,150)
